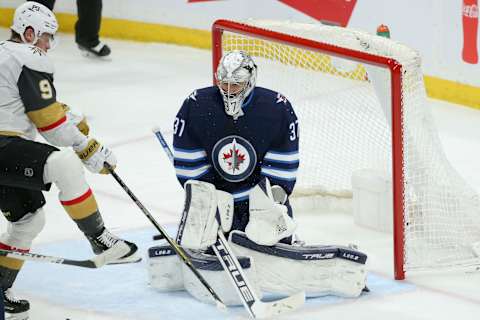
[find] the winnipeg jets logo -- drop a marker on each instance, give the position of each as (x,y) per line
(281,98)
(234,158)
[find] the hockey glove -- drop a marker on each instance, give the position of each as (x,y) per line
(94,155)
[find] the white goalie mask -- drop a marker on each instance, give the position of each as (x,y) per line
(39,18)
(236,76)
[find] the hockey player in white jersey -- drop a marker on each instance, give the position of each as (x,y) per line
(28,105)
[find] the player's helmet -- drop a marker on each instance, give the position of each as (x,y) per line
(38,17)
(236,76)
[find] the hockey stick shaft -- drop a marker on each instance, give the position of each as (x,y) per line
(164,144)
(27,256)
(255,307)
(178,249)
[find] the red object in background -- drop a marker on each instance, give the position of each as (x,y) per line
(336,12)
(383,31)
(470,31)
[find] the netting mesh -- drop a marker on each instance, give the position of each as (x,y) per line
(344,112)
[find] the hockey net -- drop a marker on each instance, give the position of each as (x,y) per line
(361,104)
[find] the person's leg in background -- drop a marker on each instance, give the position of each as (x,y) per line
(88,27)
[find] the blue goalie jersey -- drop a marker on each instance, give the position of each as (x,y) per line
(235,155)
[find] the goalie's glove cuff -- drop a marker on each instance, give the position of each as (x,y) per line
(94,155)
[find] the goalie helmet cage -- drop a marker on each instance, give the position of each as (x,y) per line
(361,103)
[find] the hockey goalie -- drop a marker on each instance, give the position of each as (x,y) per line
(236,156)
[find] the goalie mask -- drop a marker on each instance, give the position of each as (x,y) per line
(236,75)
(39,18)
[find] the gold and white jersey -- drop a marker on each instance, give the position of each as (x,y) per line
(27,94)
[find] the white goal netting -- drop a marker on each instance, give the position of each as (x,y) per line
(345,111)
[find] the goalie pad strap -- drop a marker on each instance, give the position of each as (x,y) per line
(200,260)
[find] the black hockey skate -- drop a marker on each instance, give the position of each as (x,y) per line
(100,50)
(107,240)
(15,309)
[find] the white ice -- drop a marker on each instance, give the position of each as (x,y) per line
(142,86)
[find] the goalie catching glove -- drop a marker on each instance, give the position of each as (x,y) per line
(269,221)
(94,155)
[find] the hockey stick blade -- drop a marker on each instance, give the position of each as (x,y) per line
(256,307)
(278,307)
(97,262)
(158,237)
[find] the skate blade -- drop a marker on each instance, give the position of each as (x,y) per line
(130,259)
(17,316)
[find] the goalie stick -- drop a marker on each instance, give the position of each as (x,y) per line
(96,262)
(177,248)
(256,308)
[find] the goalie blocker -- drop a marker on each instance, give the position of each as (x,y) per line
(275,267)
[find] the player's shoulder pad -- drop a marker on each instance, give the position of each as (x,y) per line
(30,56)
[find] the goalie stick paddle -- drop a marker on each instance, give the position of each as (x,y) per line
(255,307)
(178,249)
(96,262)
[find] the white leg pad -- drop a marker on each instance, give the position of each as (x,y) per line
(20,234)
(317,270)
(168,273)
(212,271)
(164,268)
